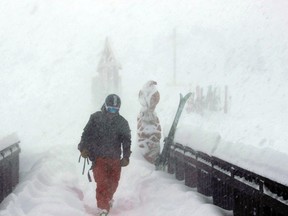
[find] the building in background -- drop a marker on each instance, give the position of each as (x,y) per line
(107,80)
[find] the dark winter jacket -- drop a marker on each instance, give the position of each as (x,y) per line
(106,135)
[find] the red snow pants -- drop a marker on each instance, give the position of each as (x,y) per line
(106,173)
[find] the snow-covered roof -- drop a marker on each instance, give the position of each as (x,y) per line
(108,58)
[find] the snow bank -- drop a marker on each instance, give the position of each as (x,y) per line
(263,161)
(197,138)
(266,162)
(50,188)
(8,140)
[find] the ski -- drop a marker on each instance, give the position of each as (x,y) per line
(161,162)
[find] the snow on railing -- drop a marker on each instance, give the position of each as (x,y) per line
(9,164)
(231,187)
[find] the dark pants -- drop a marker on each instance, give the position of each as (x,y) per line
(107,175)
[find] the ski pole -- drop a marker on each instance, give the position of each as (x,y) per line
(79,158)
(84,166)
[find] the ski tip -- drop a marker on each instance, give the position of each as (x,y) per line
(186,96)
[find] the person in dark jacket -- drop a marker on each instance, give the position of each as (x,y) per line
(106,140)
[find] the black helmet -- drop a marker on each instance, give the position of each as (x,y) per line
(112,103)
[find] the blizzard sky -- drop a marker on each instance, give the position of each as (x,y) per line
(49,54)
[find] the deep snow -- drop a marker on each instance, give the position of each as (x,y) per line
(49,55)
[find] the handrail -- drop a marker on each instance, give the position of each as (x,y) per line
(231,187)
(9,169)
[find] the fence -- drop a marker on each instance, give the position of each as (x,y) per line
(9,169)
(231,187)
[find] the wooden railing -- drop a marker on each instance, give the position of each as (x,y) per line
(9,169)
(231,187)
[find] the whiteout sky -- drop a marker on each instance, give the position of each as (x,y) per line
(49,54)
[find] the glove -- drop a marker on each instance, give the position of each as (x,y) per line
(84,153)
(124,162)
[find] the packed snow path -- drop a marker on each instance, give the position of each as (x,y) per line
(55,186)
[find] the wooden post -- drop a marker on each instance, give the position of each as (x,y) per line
(226,100)
(174,57)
